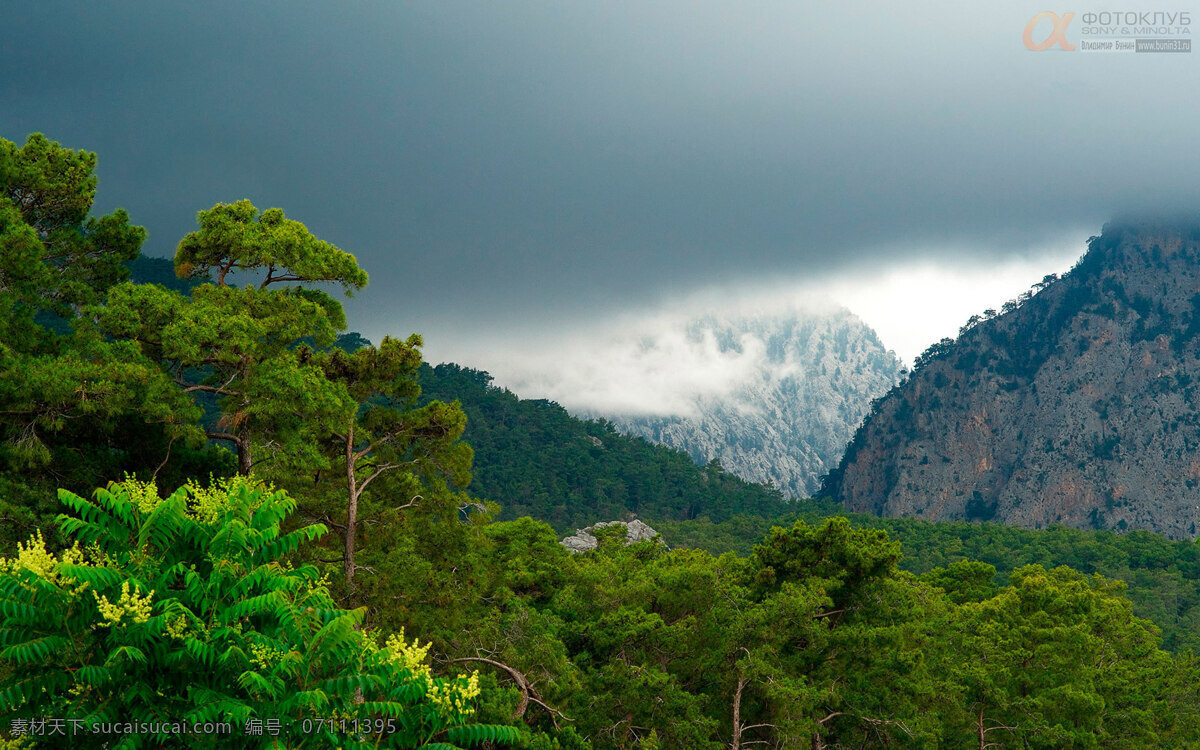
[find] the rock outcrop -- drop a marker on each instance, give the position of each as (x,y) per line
(585,540)
(1079,405)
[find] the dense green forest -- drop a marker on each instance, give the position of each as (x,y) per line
(535,459)
(1162,576)
(218,506)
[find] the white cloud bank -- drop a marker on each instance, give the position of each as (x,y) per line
(645,362)
(914,306)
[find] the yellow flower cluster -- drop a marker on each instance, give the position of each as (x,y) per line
(94,554)
(451,697)
(177,628)
(411,656)
(454,697)
(129,603)
(144,495)
(207,503)
(265,656)
(34,557)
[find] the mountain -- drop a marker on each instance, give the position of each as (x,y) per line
(813,380)
(535,459)
(1079,404)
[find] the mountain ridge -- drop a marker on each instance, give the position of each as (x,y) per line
(1079,404)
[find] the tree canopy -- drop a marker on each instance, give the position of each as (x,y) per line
(237,237)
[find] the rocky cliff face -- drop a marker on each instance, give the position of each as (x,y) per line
(788,424)
(1080,406)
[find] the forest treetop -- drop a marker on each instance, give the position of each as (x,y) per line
(237,236)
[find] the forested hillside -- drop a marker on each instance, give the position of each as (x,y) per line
(535,459)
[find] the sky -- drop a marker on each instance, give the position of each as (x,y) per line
(521,178)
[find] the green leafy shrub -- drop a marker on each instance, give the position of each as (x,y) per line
(183,610)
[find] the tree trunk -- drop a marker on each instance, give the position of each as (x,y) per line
(241,444)
(351,509)
(244,460)
(737,714)
(351,522)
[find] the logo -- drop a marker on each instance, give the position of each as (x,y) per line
(1112,31)
(1058,35)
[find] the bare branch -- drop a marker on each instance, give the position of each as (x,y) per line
(379,470)
(410,503)
(521,680)
(292,278)
(325,519)
(164,461)
(269,279)
(528,693)
(553,711)
(208,389)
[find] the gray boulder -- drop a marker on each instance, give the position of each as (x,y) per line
(585,540)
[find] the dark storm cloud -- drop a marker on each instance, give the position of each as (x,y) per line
(509,162)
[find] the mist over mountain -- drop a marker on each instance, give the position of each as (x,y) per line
(807,379)
(1079,404)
